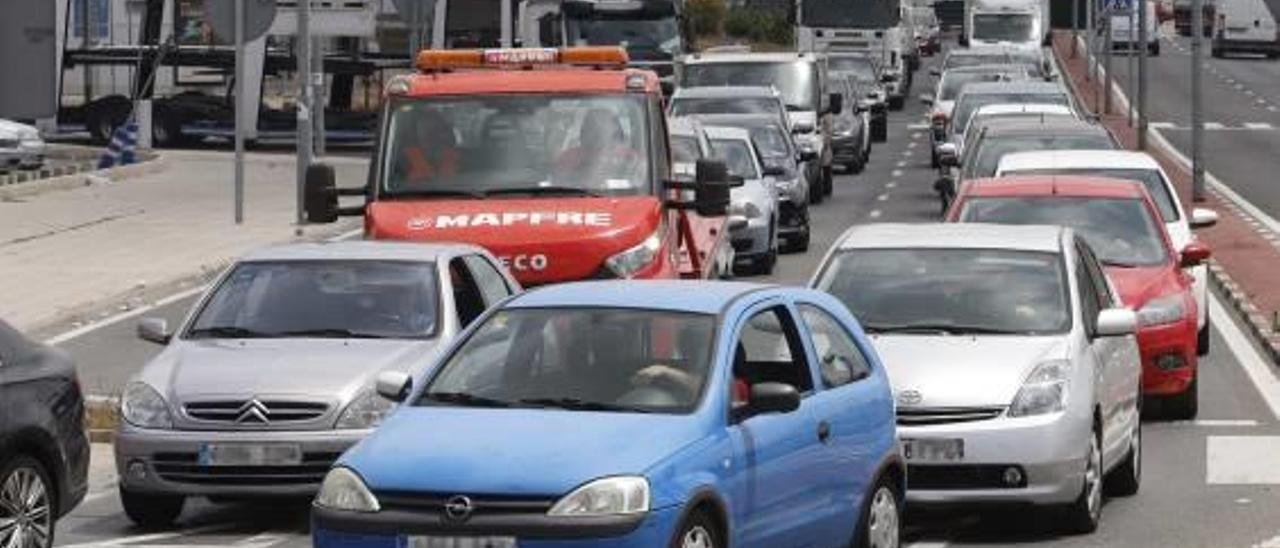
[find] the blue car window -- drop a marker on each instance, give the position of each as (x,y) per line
(840,361)
(769,350)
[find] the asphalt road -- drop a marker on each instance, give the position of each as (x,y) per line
(1241,114)
(1178,506)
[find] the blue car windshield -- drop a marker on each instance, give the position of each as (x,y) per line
(580,359)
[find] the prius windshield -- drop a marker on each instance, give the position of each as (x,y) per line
(1120,230)
(518,145)
(797,81)
(580,359)
(953,291)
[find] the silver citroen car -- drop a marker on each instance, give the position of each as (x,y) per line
(273,374)
(1012,360)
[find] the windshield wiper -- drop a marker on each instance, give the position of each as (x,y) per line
(939,328)
(464,399)
(226,332)
(331,333)
(434,192)
(536,190)
(576,404)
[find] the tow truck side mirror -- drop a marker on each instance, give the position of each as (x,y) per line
(320,194)
(711,193)
(836,103)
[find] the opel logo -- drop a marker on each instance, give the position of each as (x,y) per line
(252,411)
(458,509)
(909,397)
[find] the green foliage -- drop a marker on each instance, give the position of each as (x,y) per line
(705,17)
(758,25)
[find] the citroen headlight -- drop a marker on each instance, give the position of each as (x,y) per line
(605,497)
(365,412)
(1044,391)
(143,407)
(1165,310)
(344,490)
(627,263)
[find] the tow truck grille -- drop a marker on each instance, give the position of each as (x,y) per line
(8,143)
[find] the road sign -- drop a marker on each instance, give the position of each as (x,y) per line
(258,16)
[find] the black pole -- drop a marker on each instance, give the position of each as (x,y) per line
(149,38)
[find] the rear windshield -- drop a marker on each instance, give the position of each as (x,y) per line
(1150,178)
(970,102)
(989,151)
(1120,230)
(737,154)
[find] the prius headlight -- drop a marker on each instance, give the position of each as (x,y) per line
(1165,310)
(344,490)
(612,496)
(1044,391)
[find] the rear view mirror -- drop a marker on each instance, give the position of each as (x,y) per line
(773,397)
(737,222)
(806,156)
(1203,218)
(711,192)
(935,71)
(154,330)
(926,99)
(1116,322)
(320,194)
(1194,254)
(835,104)
(947,155)
(393,385)
(802,127)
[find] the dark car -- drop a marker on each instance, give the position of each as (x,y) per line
(44,453)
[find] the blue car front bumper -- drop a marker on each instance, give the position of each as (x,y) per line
(332,529)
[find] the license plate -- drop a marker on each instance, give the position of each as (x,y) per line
(241,454)
(933,450)
(459,542)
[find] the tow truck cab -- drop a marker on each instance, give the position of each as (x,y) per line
(556,160)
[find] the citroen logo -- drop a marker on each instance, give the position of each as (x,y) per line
(909,398)
(458,509)
(253,411)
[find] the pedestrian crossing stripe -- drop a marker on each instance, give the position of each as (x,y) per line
(1215,126)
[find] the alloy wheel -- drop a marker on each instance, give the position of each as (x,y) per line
(1093,479)
(26,517)
(882,526)
(697,537)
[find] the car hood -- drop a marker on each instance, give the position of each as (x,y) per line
(328,369)
(9,127)
(962,370)
(515,452)
(1137,286)
(573,236)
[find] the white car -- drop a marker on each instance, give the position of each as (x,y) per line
(983,114)
(20,146)
(753,210)
(948,88)
(1138,166)
(1013,361)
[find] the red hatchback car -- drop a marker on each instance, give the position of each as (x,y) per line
(1121,225)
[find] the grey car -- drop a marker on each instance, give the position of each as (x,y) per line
(272,376)
(20,146)
(1013,361)
(755,241)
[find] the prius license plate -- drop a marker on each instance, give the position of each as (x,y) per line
(245,454)
(459,542)
(933,450)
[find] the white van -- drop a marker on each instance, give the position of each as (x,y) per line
(1124,38)
(1245,26)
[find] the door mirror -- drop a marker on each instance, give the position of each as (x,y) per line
(711,193)
(1116,322)
(393,385)
(1203,218)
(926,99)
(886,78)
(773,397)
(835,103)
(774,171)
(320,194)
(1194,254)
(155,330)
(947,155)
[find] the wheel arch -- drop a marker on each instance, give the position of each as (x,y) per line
(706,498)
(38,445)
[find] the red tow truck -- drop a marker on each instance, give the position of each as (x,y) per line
(556,160)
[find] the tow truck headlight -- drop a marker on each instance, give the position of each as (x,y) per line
(627,263)
(144,407)
(613,496)
(1044,391)
(344,490)
(365,411)
(1165,310)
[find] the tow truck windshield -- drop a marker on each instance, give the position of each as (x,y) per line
(512,145)
(796,81)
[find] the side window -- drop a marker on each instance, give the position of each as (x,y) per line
(769,350)
(1106,299)
(492,286)
(840,361)
(466,295)
(659,134)
(1088,291)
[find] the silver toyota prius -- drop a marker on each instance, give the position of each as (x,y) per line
(1012,360)
(272,376)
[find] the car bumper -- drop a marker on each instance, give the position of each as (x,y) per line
(1168,358)
(27,157)
(752,240)
(1049,451)
(391,529)
(846,148)
(167,462)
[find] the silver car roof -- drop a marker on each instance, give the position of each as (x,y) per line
(360,250)
(753,57)
(1051,125)
(699,92)
(727,133)
(740,120)
(954,235)
(684,126)
(1019,86)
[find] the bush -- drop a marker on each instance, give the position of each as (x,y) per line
(759,25)
(705,17)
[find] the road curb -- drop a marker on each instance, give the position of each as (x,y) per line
(1259,326)
(81,178)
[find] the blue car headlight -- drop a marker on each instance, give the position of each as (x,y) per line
(344,490)
(612,496)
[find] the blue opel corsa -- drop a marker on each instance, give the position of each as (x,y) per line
(633,414)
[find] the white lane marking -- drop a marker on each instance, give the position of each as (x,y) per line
(1271,108)
(1225,422)
(917,126)
(1234,460)
(1162,125)
(902,163)
(912,144)
(151,538)
(907,153)
(1213,125)
(1257,369)
(1258,125)
(1248,92)
(891,184)
(1221,188)
(896,173)
(882,198)
(928,544)
(112,320)
(875,214)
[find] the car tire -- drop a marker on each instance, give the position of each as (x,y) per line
(880,525)
(1125,479)
(103,116)
(26,491)
(1154,49)
(828,181)
(151,511)
(1202,339)
(799,243)
(1082,516)
(1184,406)
(698,531)
(166,129)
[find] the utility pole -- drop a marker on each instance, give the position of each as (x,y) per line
(1132,56)
(1197,101)
(302,46)
(319,96)
(1090,34)
(1143,37)
(1075,28)
(1109,54)
(239,107)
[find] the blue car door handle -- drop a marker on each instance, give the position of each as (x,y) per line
(824,431)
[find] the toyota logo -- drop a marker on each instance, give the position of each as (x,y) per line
(458,508)
(909,397)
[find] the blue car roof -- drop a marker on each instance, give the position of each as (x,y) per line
(674,295)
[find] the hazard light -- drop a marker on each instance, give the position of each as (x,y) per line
(437,60)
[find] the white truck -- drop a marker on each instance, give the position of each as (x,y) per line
(874,26)
(1020,23)
(652,31)
(1246,26)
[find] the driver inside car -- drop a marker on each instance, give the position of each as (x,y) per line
(603,159)
(428,152)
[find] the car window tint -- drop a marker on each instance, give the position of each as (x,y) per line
(769,350)
(1098,277)
(467,298)
(840,361)
(1089,298)
(685,150)
(493,287)
(1150,179)
(736,155)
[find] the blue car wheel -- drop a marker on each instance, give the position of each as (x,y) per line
(697,531)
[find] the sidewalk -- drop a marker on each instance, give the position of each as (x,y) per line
(1246,263)
(67,256)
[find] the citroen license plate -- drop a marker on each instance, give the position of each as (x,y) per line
(459,542)
(933,450)
(246,454)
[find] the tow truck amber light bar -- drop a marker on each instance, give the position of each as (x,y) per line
(438,60)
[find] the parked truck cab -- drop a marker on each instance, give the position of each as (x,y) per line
(557,161)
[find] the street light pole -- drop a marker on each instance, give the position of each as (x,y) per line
(1197,101)
(1143,37)
(239,107)
(1075,28)
(1130,59)
(302,43)
(1106,43)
